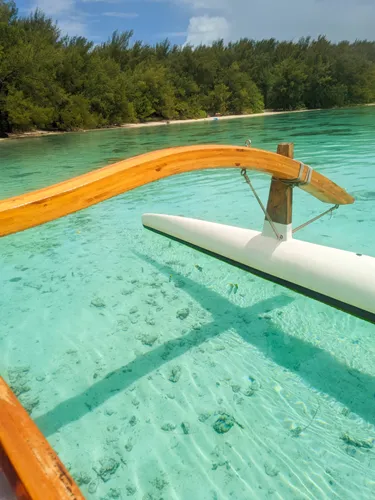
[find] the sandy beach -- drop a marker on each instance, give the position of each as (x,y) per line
(210,118)
(41,133)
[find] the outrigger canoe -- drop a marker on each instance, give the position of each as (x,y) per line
(344,280)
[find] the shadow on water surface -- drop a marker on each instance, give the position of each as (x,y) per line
(350,387)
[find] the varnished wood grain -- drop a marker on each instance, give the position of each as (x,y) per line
(286,149)
(33,468)
(31,209)
(280,199)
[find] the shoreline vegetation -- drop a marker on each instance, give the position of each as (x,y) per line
(52,83)
(158,123)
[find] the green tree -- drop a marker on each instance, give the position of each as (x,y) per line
(28,70)
(245,97)
(24,114)
(8,11)
(52,81)
(117,47)
(218,99)
(151,93)
(75,113)
(288,85)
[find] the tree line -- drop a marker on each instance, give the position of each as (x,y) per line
(54,82)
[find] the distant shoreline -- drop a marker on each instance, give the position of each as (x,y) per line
(212,118)
(43,133)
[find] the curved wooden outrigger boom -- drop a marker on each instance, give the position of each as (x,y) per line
(37,207)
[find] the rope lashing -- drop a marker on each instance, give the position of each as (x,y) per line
(298,181)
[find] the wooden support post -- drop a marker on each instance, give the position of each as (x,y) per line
(280,199)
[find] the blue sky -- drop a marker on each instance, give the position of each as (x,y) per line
(202,21)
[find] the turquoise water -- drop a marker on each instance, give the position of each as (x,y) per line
(131,352)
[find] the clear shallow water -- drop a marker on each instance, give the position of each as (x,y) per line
(93,332)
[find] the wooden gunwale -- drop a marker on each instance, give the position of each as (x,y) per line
(30,465)
(37,207)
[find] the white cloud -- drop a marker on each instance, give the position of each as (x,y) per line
(54,7)
(283,20)
(205,29)
(73,26)
(69,19)
(234,19)
(124,15)
(204,4)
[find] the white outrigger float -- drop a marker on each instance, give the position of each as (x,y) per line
(342,279)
